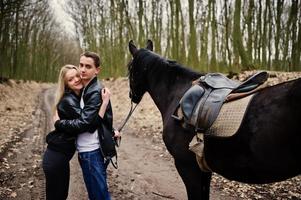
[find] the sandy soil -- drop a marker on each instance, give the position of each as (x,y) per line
(22,129)
(146,170)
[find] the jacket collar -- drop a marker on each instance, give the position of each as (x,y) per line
(68,91)
(94,80)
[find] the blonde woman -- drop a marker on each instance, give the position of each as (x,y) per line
(61,146)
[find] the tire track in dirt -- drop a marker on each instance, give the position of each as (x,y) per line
(21,173)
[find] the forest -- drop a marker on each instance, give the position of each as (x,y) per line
(226,36)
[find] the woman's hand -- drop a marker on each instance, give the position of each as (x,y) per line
(105,95)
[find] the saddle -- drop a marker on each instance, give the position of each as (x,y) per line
(201,103)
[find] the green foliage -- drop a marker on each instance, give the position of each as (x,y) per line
(205,35)
(32,46)
(230,35)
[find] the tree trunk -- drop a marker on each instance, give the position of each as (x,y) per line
(204,40)
(213,63)
(192,55)
(264,37)
(171,37)
(270,23)
(238,47)
(295,53)
(183,57)
(140,23)
(278,32)
(227,34)
(289,37)
(258,38)
(297,62)
(16,45)
(177,30)
(250,28)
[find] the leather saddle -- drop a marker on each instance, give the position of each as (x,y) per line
(201,103)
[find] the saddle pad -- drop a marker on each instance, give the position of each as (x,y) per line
(230,117)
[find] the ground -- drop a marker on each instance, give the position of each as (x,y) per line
(146,170)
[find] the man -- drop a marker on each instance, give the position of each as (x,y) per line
(92,146)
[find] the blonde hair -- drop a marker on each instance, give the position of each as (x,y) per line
(61,85)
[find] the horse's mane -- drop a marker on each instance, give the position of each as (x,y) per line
(160,66)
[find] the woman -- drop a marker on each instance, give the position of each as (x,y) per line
(61,146)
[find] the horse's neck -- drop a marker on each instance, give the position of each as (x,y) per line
(165,95)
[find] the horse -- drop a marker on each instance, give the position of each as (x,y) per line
(265,149)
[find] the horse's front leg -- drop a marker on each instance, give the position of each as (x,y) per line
(197,182)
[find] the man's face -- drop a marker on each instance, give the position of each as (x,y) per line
(87,68)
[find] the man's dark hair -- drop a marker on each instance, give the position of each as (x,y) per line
(92,55)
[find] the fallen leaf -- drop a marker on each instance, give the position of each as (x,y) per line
(13,195)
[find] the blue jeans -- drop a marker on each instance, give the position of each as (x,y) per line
(95,175)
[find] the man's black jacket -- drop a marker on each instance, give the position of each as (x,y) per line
(89,119)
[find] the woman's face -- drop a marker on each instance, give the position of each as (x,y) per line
(73,80)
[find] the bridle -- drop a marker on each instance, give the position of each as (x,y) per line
(118,139)
(132,109)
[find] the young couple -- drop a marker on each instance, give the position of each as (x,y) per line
(83,122)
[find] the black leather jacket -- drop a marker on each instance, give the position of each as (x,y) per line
(68,108)
(89,119)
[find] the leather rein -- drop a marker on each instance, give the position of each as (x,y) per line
(132,109)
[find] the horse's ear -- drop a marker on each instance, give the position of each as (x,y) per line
(149,45)
(132,47)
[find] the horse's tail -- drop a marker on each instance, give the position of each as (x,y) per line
(295,93)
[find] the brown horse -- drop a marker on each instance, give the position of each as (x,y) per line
(266,148)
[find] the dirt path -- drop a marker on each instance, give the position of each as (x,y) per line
(21,172)
(144,173)
(146,170)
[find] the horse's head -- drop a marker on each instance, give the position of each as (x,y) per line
(137,71)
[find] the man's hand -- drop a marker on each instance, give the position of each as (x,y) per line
(117,137)
(117,134)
